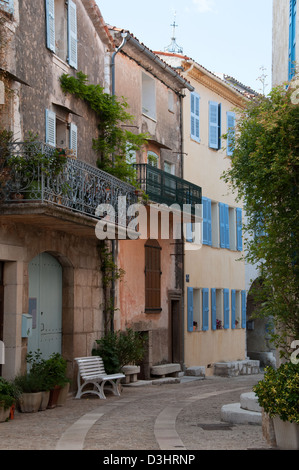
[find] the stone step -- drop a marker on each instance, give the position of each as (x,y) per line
(249,401)
(234,414)
(236,368)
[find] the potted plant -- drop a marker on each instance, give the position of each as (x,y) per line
(278,395)
(7,399)
(30,385)
(38,367)
(55,368)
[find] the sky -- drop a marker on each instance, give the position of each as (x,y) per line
(233,37)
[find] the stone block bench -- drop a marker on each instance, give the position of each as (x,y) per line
(236,368)
(130,373)
(163,370)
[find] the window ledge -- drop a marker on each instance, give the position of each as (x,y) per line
(149,117)
(61,63)
(153,310)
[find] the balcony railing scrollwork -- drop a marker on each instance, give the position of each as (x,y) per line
(36,172)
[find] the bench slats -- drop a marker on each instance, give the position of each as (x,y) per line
(92,371)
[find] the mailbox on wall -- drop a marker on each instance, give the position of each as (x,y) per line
(26,325)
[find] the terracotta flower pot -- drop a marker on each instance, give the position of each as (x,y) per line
(53,398)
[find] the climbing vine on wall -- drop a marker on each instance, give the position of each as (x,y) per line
(114,143)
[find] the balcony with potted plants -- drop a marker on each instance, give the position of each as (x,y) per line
(42,185)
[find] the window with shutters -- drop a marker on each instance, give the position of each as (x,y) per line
(59,132)
(153,275)
(214,125)
(61,29)
(198,309)
(195,123)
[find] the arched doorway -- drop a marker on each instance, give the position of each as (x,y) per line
(45,304)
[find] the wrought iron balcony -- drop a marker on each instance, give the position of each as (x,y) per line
(36,172)
(165,188)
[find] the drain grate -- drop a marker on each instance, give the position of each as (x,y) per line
(215,426)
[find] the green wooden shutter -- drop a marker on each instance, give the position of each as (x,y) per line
(205,309)
(213,308)
(239,229)
(195,126)
(72,35)
(190,309)
(50,24)
(231,119)
(213,125)
(233,301)
(226,308)
(50,128)
(243,309)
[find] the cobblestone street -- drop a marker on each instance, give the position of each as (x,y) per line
(178,417)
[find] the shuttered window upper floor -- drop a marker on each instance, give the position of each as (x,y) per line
(61,30)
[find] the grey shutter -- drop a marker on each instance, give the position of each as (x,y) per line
(72,35)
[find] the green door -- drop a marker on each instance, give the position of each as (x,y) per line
(45,304)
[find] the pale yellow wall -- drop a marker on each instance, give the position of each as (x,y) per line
(280,41)
(211,267)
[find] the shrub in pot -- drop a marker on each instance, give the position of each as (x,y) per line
(7,398)
(120,348)
(30,385)
(278,395)
(55,369)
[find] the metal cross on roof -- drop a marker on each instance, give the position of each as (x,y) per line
(173,46)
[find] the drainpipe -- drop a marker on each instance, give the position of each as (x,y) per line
(124,36)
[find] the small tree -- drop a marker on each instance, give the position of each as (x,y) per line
(265,173)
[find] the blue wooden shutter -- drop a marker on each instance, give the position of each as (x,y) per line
(190,309)
(72,34)
(226,308)
(73,144)
(207,221)
(292,38)
(195,100)
(205,309)
(233,301)
(226,221)
(243,309)
(213,308)
(231,122)
(50,128)
(222,224)
(50,24)
(189,233)
(213,125)
(239,229)
(9,5)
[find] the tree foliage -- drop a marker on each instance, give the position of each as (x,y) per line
(265,174)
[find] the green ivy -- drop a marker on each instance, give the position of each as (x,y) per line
(114,143)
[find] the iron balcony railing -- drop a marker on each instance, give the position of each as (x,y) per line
(36,172)
(165,188)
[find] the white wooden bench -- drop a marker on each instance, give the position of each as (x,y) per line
(91,371)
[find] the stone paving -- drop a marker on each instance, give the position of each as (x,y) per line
(175,416)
